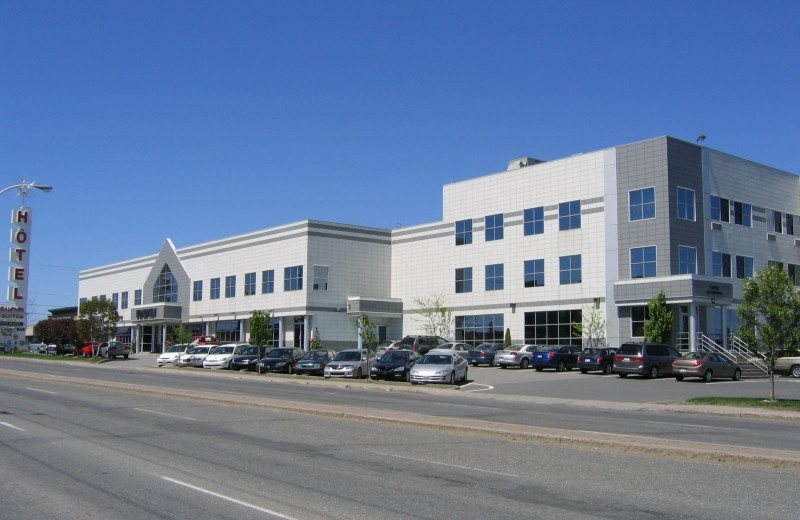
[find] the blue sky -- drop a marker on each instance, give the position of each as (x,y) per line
(198,120)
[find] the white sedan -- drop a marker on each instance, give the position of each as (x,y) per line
(171,355)
(194,356)
(221,356)
(439,367)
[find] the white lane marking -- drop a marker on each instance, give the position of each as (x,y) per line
(691,425)
(163,413)
(229,499)
(465,389)
(12,426)
(40,390)
(445,464)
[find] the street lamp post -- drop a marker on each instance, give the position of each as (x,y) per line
(14,315)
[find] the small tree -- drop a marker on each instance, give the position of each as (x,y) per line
(260,333)
(507,339)
(438,318)
(58,331)
(658,327)
(770,315)
(593,326)
(316,340)
(97,320)
(181,336)
(369,340)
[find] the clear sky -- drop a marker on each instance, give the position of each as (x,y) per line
(199,120)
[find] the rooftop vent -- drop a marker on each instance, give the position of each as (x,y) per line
(515,164)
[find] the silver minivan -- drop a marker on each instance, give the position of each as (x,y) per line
(648,359)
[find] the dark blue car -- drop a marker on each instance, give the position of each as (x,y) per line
(395,364)
(281,360)
(483,354)
(558,357)
(601,359)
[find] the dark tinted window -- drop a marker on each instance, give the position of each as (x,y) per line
(630,349)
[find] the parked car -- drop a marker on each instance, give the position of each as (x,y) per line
(648,359)
(281,359)
(349,363)
(200,340)
(395,364)
(194,356)
(558,357)
(483,354)
(112,349)
(592,358)
(420,343)
(51,349)
(385,346)
(172,354)
(515,356)
(705,365)
(462,349)
(90,348)
(314,362)
(788,366)
(42,348)
(222,355)
(439,367)
(249,357)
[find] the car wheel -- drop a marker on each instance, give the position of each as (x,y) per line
(453,377)
(608,369)
(474,364)
(561,366)
(678,378)
(358,373)
(492,363)
(524,364)
(502,366)
(737,375)
(465,375)
(289,370)
(622,375)
(584,371)
(653,372)
(708,376)
(408,376)
(795,371)
(125,356)
(539,369)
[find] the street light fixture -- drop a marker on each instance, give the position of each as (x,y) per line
(25,187)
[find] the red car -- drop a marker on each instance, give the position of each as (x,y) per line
(90,348)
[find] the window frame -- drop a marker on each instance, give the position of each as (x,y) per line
(463,280)
(645,207)
(495,277)
(493,227)
(683,262)
(568,272)
(533,221)
(463,232)
(568,218)
(686,209)
(533,273)
(645,260)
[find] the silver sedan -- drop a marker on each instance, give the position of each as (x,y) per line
(439,367)
(515,356)
(353,363)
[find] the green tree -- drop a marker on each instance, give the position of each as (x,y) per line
(180,335)
(97,320)
(592,327)
(507,339)
(658,327)
(369,340)
(770,315)
(438,318)
(260,332)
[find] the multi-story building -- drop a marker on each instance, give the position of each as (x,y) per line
(533,249)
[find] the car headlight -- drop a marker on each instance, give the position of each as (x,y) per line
(399,369)
(441,372)
(374,369)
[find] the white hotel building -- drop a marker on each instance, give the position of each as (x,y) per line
(532,249)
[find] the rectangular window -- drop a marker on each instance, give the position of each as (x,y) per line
(533,221)
(320,278)
(214,289)
(125,299)
(463,232)
(794,274)
(553,327)
(137,297)
(464,280)
(268,281)
(639,316)
(494,277)
(475,330)
(642,204)
(115,300)
(249,284)
(293,278)
(687,260)
(569,269)
(534,273)
(569,215)
(789,224)
(742,214)
(686,204)
(720,264)
(775,222)
(744,267)
(197,291)
(643,262)
(720,209)
(230,286)
(494,227)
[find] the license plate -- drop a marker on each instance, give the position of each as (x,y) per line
(587,360)
(683,370)
(626,359)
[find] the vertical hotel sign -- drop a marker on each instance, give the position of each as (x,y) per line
(13,317)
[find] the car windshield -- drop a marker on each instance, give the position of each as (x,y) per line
(280,353)
(223,350)
(176,348)
(395,357)
(316,354)
(348,356)
(198,350)
(436,359)
(250,351)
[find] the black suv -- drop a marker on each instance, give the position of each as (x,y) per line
(421,344)
(648,359)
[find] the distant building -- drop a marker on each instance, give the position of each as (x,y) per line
(533,249)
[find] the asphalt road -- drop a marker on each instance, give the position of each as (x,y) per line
(72,451)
